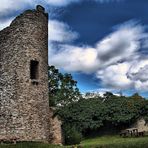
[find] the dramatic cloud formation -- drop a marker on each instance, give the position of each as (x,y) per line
(113,59)
(114,76)
(126,75)
(138,73)
(121,44)
(118,46)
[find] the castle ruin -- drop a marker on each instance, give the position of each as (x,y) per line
(24,106)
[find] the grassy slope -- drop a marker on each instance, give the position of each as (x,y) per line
(116,142)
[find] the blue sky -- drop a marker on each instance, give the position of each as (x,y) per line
(103,43)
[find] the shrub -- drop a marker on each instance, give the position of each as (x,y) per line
(72,136)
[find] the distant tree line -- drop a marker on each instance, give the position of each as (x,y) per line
(80,115)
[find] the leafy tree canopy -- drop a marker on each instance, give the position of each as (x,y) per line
(93,113)
(62,88)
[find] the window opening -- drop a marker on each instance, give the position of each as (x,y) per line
(34,70)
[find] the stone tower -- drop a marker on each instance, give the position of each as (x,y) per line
(24,106)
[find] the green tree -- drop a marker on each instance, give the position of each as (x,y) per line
(108,95)
(62,88)
(136,96)
(145,111)
(93,113)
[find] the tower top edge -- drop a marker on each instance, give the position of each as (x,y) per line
(30,14)
(40,8)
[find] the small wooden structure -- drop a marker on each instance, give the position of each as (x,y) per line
(131,132)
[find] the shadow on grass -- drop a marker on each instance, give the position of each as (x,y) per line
(25,144)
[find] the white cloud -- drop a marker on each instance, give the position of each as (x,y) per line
(115,76)
(73,58)
(9,6)
(61,2)
(139,70)
(138,73)
(126,75)
(120,45)
(66,2)
(141,86)
(60,32)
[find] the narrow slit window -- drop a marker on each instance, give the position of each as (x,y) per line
(34,70)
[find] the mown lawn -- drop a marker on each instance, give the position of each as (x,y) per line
(115,142)
(99,142)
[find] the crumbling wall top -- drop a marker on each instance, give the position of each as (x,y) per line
(34,14)
(40,8)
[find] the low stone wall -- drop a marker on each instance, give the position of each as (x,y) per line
(55,129)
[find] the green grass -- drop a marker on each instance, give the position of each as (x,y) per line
(29,145)
(115,142)
(99,142)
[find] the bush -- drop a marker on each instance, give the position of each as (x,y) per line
(72,136)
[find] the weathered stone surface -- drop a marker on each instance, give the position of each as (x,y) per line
(141,125)
(24,106)
(55,128)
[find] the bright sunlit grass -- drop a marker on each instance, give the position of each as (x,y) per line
(115,142)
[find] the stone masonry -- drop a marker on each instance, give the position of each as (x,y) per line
(24,106)
(56,134)
(141,125)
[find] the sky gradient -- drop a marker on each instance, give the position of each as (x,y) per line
(103,43)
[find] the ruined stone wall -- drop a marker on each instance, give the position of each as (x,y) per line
(56,136)
(141,125)
(24,106)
